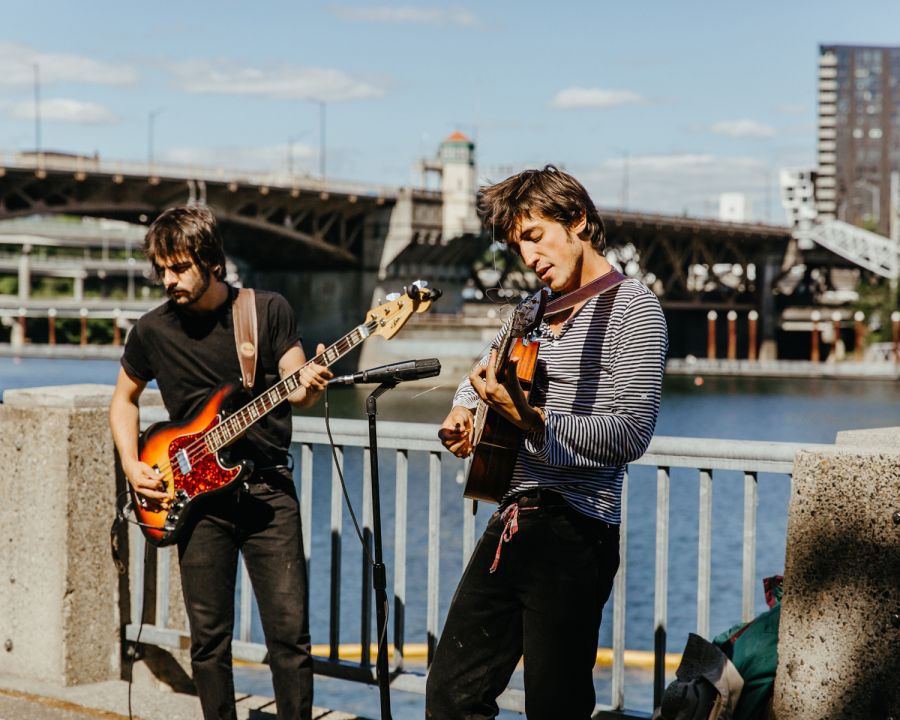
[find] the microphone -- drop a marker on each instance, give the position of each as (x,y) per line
(393,373)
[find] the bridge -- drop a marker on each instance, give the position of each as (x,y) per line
(313,238)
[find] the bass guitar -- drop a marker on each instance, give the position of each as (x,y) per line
(187,453)
(495,438)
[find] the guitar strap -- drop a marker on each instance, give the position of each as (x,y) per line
(246,334)
(598,286)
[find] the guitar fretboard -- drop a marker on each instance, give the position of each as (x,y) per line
(236,424)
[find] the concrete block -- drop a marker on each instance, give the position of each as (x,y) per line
(58,586)
(874,438)
(840,619)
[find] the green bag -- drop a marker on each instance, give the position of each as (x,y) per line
(753,648)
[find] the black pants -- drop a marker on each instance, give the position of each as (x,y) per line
(543,602)
(263,522)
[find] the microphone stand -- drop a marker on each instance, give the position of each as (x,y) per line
(379,577)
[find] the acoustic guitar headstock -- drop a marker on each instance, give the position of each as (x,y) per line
(528,315)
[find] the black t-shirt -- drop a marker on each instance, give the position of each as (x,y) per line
(190,354)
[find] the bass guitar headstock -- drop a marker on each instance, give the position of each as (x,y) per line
(392,315)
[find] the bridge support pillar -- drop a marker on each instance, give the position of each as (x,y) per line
(78,288)
(768,348)
(25,273)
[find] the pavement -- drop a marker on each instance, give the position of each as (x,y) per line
(24,699)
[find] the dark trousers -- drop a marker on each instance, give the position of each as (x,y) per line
(263,522)
(543,602)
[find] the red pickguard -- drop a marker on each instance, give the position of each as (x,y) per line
(159,447)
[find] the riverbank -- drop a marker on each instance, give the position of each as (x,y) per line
(847,370)
(453,367)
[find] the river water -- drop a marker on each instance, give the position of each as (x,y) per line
(788,410)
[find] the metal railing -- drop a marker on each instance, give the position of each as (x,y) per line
(404,440)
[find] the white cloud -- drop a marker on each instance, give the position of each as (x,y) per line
(284,82)
(454,15)
(743,129)
(65,110)
(265,158)
(593,98)
(17,68)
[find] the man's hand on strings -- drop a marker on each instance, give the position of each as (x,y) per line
(147,483)
(507,397)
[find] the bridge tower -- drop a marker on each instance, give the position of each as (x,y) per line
(458,186)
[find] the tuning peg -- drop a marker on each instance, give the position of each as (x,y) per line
(392,296)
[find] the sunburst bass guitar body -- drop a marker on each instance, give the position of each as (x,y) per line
(188,454)
(177,451)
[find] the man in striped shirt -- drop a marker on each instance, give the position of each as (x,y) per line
(542,571)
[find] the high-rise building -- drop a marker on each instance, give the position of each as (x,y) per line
(859,133)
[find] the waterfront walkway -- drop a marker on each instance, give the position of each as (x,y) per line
(22,699)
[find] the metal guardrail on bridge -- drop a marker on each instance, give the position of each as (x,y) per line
(403,439)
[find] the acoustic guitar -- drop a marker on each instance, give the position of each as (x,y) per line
(188,453)
(495,438)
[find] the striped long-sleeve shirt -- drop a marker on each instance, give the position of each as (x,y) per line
(599,383)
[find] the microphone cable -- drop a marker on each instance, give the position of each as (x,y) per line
(382,631)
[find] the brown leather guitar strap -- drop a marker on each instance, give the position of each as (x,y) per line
(245,334)
(597,286)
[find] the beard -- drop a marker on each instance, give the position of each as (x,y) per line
(186,298)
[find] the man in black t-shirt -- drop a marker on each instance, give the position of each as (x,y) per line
(188,346)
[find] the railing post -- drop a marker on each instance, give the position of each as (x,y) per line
(619,607)
(337,515)
(434,550)
(704,553)
(400,520)
(661,584)
(751,500)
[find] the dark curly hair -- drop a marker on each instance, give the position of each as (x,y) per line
(550,193)
(189,231)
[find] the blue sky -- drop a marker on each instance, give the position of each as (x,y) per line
(685,100)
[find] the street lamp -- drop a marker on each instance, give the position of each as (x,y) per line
(37,110)
(151,118)
(321,104)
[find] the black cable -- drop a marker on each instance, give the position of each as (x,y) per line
(362,542)
(337,465)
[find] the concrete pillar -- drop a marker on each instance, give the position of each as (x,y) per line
(21,337)
(860,329)
(711,334)
(752,318)
(78,288)
(82,314)
(840,616)
(895,333)
(51,326)
(25,273)
(837,348)
(117,327)
(732,335)
(768,312)
(58,586)
(814,349)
